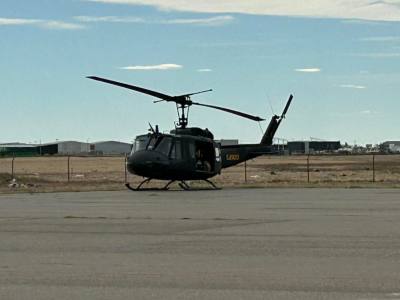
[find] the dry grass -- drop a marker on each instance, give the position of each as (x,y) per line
(43,174)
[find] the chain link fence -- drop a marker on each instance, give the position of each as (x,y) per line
(66,168)
(329,170)
(317,169)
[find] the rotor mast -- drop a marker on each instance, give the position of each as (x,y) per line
(183,104)
(183,114)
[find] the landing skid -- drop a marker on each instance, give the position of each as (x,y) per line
(182,183)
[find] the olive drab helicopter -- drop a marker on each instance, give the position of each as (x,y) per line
(189,153)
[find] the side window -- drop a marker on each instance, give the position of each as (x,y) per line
(217,154)
(176,151)
(164,145)
(192,150)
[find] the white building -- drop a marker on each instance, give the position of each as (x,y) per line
(72,147)
(391,146)
(394,148)
(111,148)
(63,148)
(228,142)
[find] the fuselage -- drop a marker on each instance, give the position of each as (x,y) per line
(187,156)
(174,157)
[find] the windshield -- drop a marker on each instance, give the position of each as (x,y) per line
(140,143)
(159,143)
(154,140)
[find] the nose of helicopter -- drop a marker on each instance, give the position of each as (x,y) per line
(146,163)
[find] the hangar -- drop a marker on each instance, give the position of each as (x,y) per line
(80,148)
(390,146)
(17,149)
(307,147)
(111,148)
(228,142)
(64,148)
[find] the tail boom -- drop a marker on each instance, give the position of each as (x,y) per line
(235,154)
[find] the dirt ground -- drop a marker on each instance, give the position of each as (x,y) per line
(41,174)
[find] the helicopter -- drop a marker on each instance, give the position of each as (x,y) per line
(189,153)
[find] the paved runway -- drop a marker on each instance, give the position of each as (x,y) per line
(229,244)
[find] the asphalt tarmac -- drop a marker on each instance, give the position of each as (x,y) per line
(229,244)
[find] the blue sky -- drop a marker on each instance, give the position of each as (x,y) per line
(341,61)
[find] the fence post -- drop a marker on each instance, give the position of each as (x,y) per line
(373,167)
(68,171)
(126,173)
(308,168)
(245,171)
(12,166)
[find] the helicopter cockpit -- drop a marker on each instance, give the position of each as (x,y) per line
(166,145)
(140,143)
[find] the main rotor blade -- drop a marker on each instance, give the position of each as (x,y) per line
(191,94)
(238,113)
(133,87)
(287,106)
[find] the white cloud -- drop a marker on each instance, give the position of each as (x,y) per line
(362,22)
(48,24)
(309,70)
(111,19)
(352,86)
(212,21)
(153,67)
(61,25)
(381,10)
(366,112)
(204,70)
(9,22)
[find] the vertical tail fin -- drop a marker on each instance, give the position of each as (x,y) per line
(274,124)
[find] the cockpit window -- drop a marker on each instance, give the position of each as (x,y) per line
(158,143)
(140,143)
(152,143)
(164,146)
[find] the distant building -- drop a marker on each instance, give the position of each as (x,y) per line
(228,142)
(111,148)
(307,147)
(390,147)
(64,148)
(17,149)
